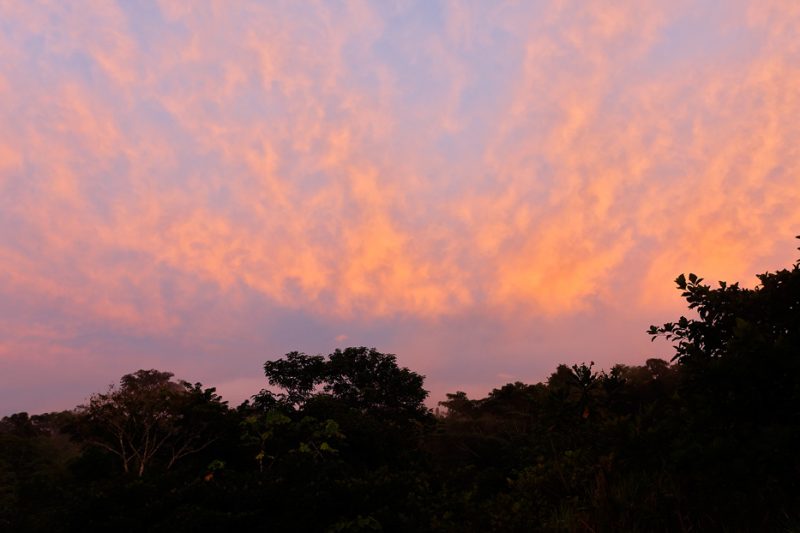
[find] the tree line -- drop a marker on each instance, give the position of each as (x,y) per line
(707,441)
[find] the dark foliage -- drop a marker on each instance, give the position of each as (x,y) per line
(343,442)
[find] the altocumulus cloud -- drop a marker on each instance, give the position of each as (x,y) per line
(200,188)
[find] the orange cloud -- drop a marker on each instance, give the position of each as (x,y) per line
(515,160)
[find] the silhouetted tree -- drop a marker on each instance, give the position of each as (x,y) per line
(361,378)
(344,442)
(149,417)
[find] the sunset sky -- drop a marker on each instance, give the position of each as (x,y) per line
(486,189)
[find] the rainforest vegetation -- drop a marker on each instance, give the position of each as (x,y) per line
(706,441)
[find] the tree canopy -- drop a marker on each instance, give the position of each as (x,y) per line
(344,442)
(361,378)
(150,418)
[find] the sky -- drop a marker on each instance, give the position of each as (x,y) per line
(486,189)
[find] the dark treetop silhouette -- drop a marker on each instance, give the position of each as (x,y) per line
(343,442)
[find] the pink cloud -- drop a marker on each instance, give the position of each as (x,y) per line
(424,162)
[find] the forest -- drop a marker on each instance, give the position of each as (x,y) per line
(707,441)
